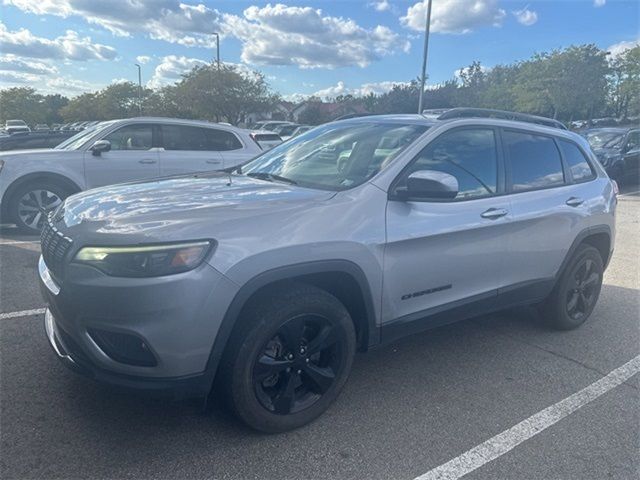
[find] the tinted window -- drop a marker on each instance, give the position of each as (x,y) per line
(578,164)
(534,161)
(469,155)
(221,140)
(182,137)
(131,137)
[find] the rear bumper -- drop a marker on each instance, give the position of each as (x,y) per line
(72,357)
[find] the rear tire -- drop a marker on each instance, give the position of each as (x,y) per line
(31,203)
(576,293)
(289,359)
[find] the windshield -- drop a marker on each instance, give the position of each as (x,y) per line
(605,139)
(336,156)
(79,139)
(15,123)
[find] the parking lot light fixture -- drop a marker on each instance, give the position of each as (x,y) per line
(139,88)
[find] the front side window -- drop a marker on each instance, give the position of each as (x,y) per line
(335,157)
(131,137)
(80,139)
(470,155)
(534,161)
(575,159)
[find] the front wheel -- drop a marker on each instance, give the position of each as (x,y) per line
(291,359)
(31,203)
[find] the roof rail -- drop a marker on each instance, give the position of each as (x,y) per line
(502,114)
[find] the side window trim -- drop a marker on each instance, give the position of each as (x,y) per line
(240,142)
(500,180)
(507,160)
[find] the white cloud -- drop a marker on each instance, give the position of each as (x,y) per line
(69,46)
(454,16)
(303,36)
(142,59)
(340,88)
(526,17)
(619,48)
(16,64)
(169,20)
(171,69)
(381,5)
(458,73)
(599,3)
(275,34)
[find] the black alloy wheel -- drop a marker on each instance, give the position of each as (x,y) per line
(298,365)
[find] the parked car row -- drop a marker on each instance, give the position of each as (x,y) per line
(33,140)
(265,282)
(284,129)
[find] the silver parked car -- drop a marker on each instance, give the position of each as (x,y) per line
(348,236)
(33,182)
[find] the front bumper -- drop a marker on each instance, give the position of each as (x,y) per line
(176,317)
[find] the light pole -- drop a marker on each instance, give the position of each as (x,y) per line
(139,88)
(424,56)
(217,49)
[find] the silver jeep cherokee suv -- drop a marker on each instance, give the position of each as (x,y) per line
(262,284)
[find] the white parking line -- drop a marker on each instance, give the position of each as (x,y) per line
(23,313)
(17,242)
(510,439)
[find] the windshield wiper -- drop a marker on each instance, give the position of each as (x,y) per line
(271,177)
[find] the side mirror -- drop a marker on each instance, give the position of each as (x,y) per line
(100,146)
(430,184)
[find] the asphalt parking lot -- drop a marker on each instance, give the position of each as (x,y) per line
(407,409)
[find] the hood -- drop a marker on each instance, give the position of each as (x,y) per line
(33,154)
(194,206)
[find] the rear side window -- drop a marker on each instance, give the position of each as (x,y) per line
(221,140)
(534,161)
(575,159)
(470,155)
(181,137)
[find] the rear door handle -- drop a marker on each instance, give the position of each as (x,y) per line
(574,202)
(494,213)
(147,160)
(214,162)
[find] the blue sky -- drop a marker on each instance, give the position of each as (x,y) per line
(324,47)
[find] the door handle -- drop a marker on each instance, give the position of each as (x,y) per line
(215,162)
(574,202)
(494,213)
(147,160)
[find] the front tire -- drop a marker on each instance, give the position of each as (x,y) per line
(31,203)
(576,293)
(290,359)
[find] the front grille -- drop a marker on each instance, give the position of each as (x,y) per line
(54,248)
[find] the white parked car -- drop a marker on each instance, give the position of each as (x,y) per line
(16,126)
(270,125)
(32,182)
(266,139)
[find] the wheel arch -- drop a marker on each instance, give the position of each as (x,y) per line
(56,178)
(598,237)
(342,278)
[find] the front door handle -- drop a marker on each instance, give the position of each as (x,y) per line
(494,213)
(215,162)
(147,160)
(574,202)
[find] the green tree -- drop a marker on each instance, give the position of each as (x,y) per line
(22,103)
(624,83)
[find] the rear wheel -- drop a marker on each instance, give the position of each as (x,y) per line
(575,296)
(31,203)
(291,359)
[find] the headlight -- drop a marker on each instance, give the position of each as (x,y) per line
(145,260)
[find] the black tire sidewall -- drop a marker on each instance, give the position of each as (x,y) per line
(269,317)
(23,190)
(558,317)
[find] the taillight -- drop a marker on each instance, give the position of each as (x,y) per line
(254,138)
